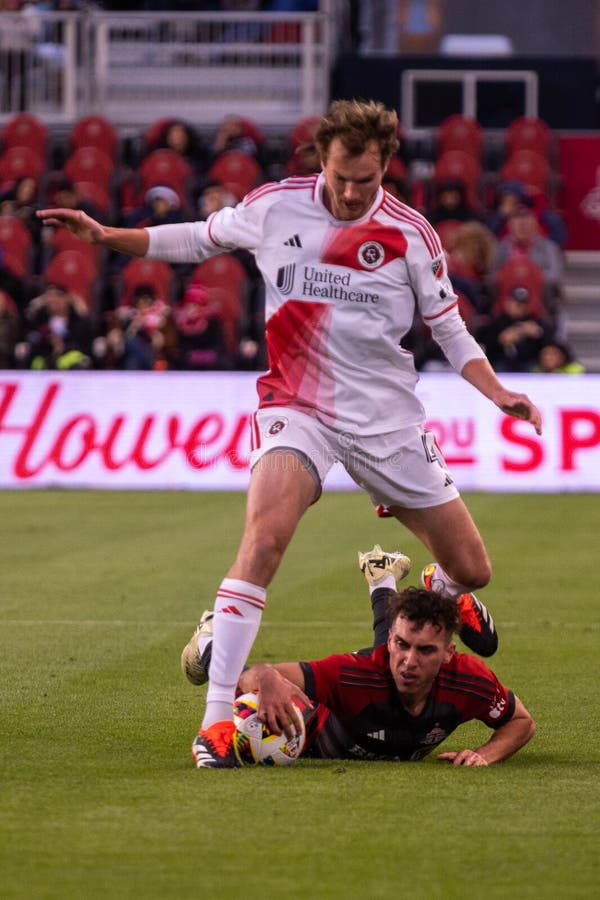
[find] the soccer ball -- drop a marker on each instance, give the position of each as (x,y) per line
(253,742)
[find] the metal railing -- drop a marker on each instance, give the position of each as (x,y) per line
(135,68)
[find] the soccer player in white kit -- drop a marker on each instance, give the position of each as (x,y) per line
(343,264)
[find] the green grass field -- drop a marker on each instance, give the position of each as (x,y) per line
(98,794)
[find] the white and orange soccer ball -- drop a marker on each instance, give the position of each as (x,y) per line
(254,743)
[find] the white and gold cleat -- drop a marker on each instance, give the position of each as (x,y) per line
(377,564)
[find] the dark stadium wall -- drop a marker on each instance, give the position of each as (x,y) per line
(568,88)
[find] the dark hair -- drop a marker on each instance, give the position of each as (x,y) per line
(421,607)
(357,123)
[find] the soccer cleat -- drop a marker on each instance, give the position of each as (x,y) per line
(193,665)
(377,564)
(477,630)
(213,747)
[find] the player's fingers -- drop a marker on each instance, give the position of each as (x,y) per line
(446,757)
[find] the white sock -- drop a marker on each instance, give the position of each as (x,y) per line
(388,581)
(443,584)
(238,611)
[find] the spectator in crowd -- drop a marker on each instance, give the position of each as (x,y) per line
(181,137)
(237,133)
(513,194)
(161,207)
(200,337)
(524,238)
(513,338)
(58,332)
(16,288)
(557,357)
(451,204)
(9,330)
(470,264)
(19,200)
(213,197)
(140,336)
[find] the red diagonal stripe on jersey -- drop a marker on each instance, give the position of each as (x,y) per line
(291,184)
(406,214)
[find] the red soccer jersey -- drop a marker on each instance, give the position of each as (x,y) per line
(366,718)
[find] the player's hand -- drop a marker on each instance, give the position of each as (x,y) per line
(521,407)
(77,222)
(463,758)
(276,708)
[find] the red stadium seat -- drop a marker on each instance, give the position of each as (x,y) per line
(95,131)
(63,239)
(74,270)
(168,168)
(90,164)
(447,231)
(527,133)
(18,162)
(226,281)
(16,243)
(95,194)
(140,272)
(237,171)
(456,165)
(303,132)
(462,133)
(155,131)
(25,130)
(521,272)
(529,168)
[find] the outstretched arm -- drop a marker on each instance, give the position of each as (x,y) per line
(503,743)
(480,374)
(277,686)
(133,241)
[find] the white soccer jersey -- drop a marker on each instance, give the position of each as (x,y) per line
(340,296)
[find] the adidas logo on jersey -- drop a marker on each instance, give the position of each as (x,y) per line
(294,241)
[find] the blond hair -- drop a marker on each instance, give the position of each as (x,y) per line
(358,123)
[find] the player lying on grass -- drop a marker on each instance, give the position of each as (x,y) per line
(399,700)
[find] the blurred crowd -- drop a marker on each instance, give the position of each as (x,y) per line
(68,305)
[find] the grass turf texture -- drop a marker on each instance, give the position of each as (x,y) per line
(99,797)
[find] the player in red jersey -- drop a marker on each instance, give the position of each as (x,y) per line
(400,700)
(343,264)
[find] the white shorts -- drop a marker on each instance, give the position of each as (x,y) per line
(403,468)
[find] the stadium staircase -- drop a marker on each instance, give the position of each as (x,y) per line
(582,305)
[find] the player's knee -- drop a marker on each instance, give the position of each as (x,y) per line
(473,574)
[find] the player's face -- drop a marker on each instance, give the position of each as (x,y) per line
(416,655)
(351,182)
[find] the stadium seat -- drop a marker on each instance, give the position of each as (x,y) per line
(303,132)
(447,230)
(155,131)
(90,164)
(521,272)
(530,168)
(75,270)
(95,194)
(17,243)
(456,165)
(226,281)
(236,171)
(140,272)
(462,133)
(527,133)
(168,168)
(63,239)
(95,131)
(17,162)
(25,130)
